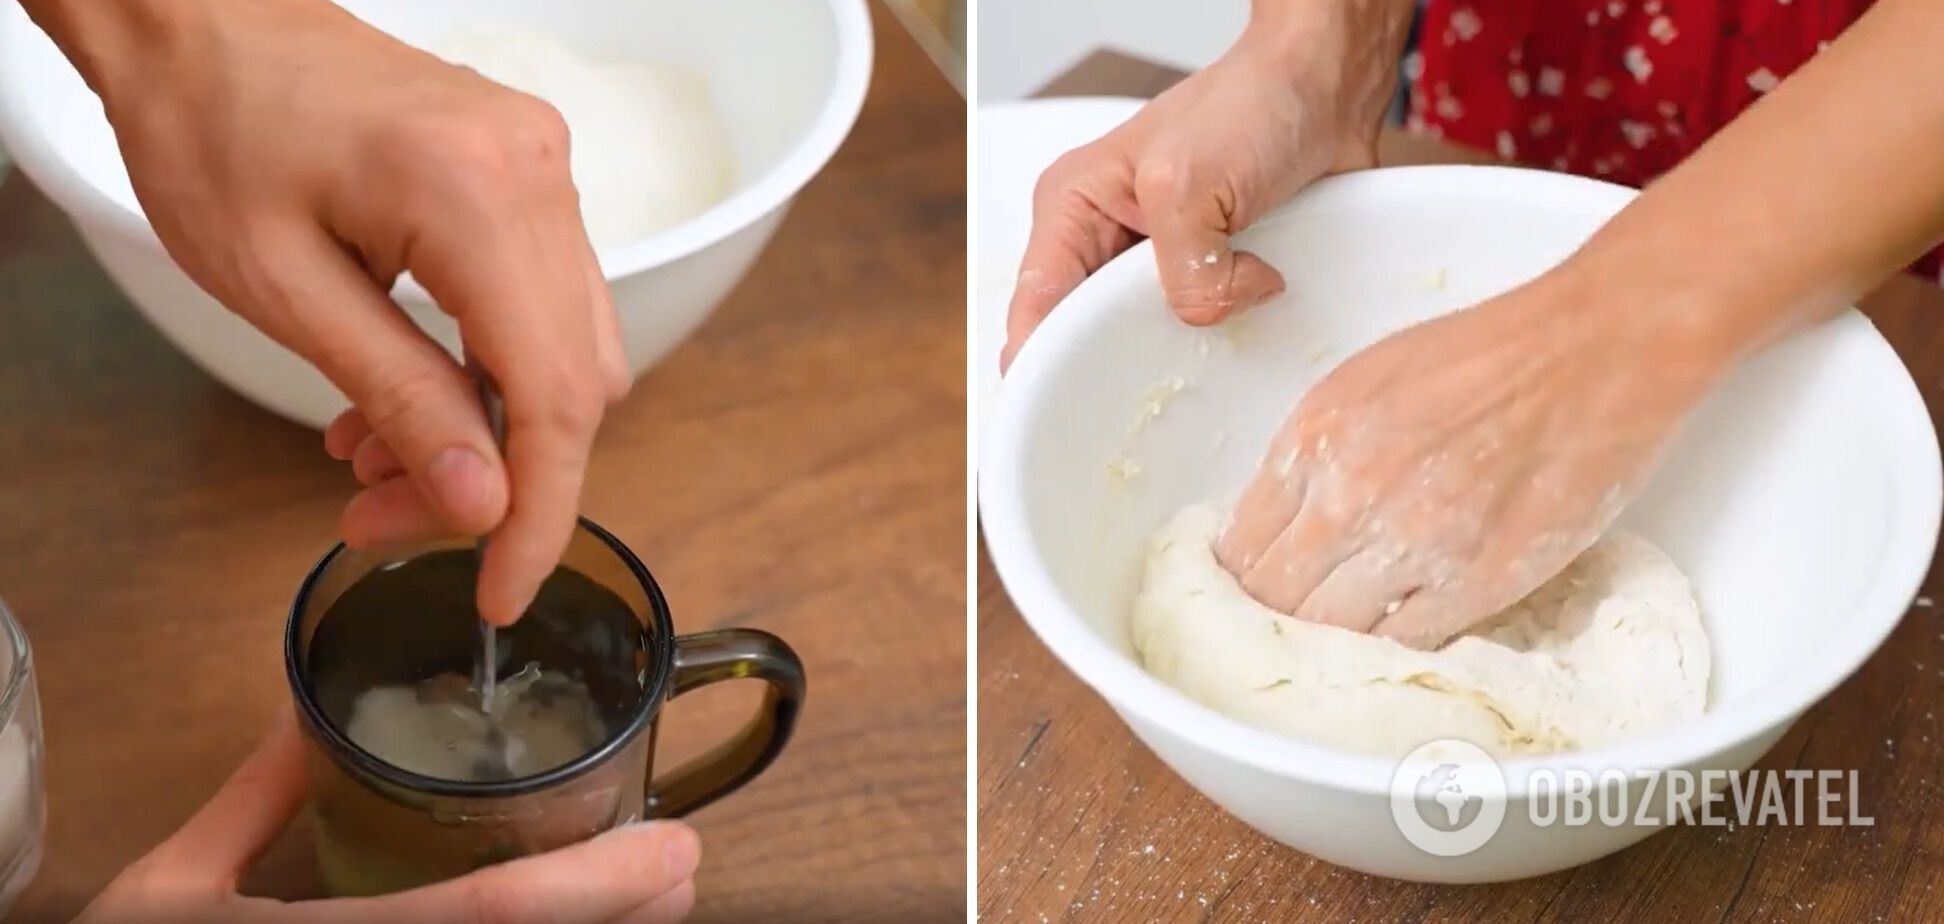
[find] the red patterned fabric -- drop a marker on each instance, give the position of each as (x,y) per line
(1616,89)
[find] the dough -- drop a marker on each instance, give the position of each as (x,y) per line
(1611,649)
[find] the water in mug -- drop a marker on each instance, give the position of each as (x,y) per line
(440,728)
(390,665)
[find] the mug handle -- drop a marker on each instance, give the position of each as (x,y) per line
(730,654)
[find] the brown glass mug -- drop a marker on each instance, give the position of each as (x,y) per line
(365,619)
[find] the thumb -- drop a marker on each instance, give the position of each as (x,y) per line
(1204,279)
(618,875)
(246,815)
(407,387)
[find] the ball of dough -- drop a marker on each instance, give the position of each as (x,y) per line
(1610,649)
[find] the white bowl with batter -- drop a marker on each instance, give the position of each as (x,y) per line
(787,79)
(1803,499)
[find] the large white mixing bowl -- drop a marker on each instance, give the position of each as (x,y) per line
(1803,500)
(788,78)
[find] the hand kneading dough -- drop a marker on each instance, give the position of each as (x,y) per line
(1611,649)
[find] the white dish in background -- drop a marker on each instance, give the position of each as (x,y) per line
(1803,499)
(788,94)
(1018,141)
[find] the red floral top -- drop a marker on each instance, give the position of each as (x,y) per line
(1616,89)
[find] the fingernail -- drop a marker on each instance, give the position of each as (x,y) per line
(681,847)
(682,852)
(493,611)
(459,487)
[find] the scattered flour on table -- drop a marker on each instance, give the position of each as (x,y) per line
(649,150)
(1610,649)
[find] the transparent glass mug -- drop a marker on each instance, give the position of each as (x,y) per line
(366,619)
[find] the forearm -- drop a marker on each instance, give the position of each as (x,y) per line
(1369,16)
(1359,40)
(1804,203)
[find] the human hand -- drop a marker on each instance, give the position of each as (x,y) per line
(1298,97)
(1445,472)
(295,162)
(638,874)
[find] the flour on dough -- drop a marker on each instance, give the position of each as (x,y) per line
(1611,649)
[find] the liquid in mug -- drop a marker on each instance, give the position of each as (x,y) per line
(390,664)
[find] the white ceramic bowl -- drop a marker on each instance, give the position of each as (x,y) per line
(1803,500)
(1017,142)
(788,77)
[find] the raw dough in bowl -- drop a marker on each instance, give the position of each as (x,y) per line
(1611,648)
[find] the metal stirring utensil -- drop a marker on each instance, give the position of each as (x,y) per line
(486,665)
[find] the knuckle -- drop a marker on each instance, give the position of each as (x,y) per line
(482,148)
(1072,173)
(395,395)
(1199,306)
(1059,176)
(537,131)
(1159,182)
(574,405)
(373,461)
(1197,297)
(617,382)
(251,270)
(1198,300)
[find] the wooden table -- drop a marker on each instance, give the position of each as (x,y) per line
(797,466)
(1078,822)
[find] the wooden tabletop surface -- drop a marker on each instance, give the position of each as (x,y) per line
(1078,822)
(798,466)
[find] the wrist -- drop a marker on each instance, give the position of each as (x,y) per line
(1343,54)
(1296,17)
(1673,325)
(112,43)
(1704,291)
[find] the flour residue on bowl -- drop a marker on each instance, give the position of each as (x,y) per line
(1610,649)
(649,151)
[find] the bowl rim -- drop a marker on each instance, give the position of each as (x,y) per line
(843,101)
(1137,695)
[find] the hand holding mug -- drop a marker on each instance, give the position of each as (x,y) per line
(637,874)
